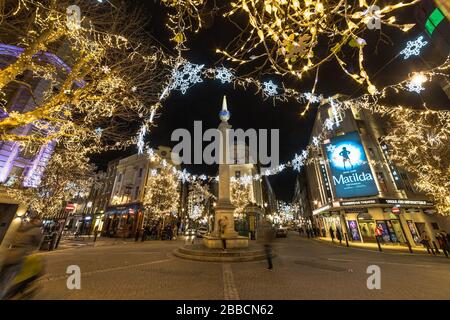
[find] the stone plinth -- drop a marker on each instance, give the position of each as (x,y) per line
(232,243)
(200,253)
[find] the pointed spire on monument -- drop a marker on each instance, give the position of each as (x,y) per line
(224,113)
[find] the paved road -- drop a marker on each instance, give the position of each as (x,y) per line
(304,269)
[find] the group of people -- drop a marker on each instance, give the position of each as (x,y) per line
(158,231)
(310,232)
(443,239)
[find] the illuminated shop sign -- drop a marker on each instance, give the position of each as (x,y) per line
(406,202)
(323,171)
(350,170)
(358,202)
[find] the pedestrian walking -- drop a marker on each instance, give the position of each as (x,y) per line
(425,240)
(331,234)
(26,240)
(339,235)
(441,237)
(268,236)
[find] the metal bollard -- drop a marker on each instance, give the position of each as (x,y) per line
(378,242)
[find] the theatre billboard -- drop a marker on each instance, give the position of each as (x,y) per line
(351,173)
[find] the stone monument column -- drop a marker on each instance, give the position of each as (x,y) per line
(224,209)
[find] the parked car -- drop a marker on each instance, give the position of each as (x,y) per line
(281,232)
(202,231)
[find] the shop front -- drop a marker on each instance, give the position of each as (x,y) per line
(400,221)
(122,221)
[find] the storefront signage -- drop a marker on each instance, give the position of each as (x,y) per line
(350,170)
(70,207)
(406,202)
(358,202)
(323,171)
(395,210)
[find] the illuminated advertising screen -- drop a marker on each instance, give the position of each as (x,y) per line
(350,170)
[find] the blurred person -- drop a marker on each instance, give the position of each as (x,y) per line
(27,239)
(441,237)
(331,234)
(425,241)
(339,235)
(268,235)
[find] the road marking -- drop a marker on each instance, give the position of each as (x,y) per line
(229,288)
(106,270)
(340,260)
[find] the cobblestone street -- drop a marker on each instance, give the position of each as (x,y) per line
(304,269)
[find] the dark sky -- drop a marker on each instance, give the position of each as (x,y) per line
(203,101)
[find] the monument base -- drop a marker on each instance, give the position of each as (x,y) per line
(235,242)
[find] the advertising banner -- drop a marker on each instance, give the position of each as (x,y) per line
(350,170)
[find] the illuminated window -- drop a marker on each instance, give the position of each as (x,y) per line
(433,21)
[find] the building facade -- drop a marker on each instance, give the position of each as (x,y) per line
(124,214)
(17,163)
(355,187)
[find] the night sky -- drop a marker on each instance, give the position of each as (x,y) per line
(203,101)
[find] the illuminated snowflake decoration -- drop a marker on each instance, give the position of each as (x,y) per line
(99,132)
(281,167)
(203,177)
(329,124)
(183,176)
(150,152)
(312,98)
(153,172)
(164,163)
(413,47)
(270,88)
(185,76)
(298,162)
(315,141)
(224,75)
(331,148)
(105,69)
(416,83)
(305,154)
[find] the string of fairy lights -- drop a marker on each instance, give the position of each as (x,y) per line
(185,75)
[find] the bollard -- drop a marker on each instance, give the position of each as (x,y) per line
(346,239)
(378,242)
(436,247)
(409,247)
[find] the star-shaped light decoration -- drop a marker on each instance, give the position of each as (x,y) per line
(185,76)
(270,88)
(183,176)
(331,148)
(224,75)
(297,162)
(315,141)
(329,124)
(99,132)
(413,47)
(416,83)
